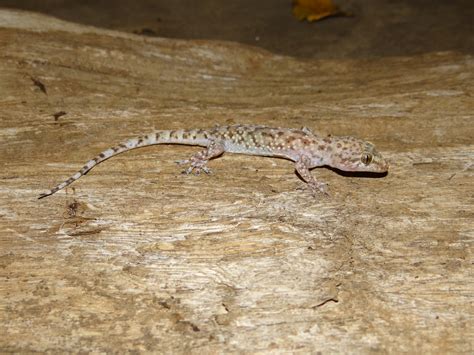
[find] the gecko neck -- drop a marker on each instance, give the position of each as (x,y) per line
(321,151)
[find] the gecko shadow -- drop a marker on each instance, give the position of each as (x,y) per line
(361,174)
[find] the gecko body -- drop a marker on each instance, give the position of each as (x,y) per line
(305,149)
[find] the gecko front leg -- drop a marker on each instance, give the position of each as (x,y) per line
(302,167)
(307,130)
(199,160)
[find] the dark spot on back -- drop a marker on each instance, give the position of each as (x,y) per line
(265,134)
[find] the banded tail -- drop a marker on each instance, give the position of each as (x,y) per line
(186,137)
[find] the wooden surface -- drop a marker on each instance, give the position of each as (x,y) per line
(135,256)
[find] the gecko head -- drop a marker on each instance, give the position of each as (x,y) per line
(352,154)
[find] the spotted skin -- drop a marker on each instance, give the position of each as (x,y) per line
(306,149)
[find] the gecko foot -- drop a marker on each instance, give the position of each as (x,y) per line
(196,170)
(316,188)
(196,166)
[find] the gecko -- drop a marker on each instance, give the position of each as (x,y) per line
(306,149)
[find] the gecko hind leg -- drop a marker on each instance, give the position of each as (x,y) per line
(199,160)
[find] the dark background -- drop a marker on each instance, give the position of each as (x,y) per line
(378,27)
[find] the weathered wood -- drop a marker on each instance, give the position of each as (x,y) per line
(137,256)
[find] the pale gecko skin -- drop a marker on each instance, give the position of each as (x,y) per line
(306,149)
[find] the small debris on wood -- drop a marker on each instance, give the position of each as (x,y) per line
(39,85)
(59,114)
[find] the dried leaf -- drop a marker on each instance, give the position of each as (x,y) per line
(314,10)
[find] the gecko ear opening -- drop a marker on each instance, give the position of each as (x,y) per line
(366,158)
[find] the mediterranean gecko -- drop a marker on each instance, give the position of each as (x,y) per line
(303,147)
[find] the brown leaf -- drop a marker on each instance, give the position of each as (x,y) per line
(314,10)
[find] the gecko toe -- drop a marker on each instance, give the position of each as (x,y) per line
(316,189)
(323,188)
(198,170)
(187,171)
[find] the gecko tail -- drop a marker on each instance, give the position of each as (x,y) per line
(157,137)
(84,170)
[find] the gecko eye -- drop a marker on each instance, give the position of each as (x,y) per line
(366,158)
